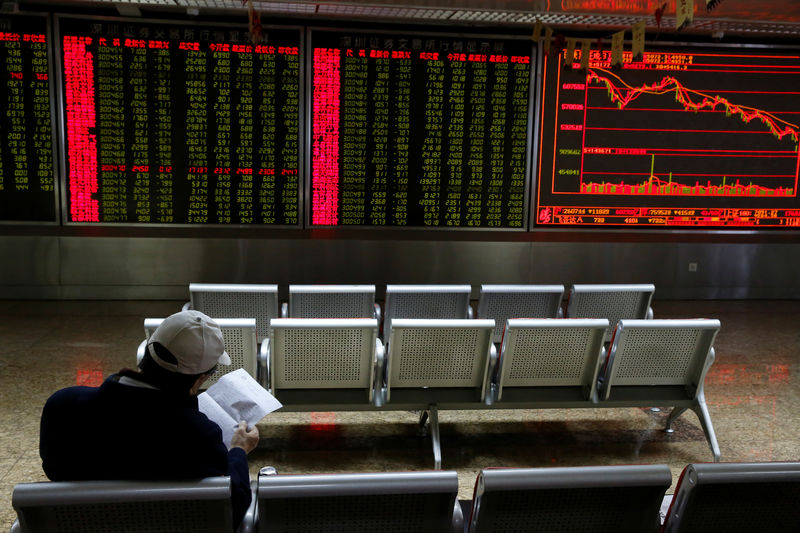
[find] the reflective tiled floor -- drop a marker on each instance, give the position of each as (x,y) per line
(753,393)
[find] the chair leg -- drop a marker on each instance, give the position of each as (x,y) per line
(675,413)
(701,409)
(422,428)
(437,446)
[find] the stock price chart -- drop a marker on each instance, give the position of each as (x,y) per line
(175,124)
(27,175)
(680,138)
(424,131)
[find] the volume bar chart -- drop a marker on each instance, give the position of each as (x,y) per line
(705,138)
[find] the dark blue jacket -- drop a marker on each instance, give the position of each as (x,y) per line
(118,431)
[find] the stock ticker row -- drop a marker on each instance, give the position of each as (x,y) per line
(153,122)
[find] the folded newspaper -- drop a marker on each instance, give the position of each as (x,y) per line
(235,397)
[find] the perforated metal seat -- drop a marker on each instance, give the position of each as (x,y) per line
(501,302)
(662,363)
(433,362)
(315,362)
(550,362)
(222,300)
(588,499)
(425,301)
(386,502)
(124,506)
(239,335)
(736,498)
(331,301)
(613,302)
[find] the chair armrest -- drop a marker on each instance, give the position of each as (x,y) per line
(187,306)
(284,310)
(376,311)
(599,383)
(248,524)
(15,527)
(458,518)
(378,371)
(140,351)
(493,359)
(263,365)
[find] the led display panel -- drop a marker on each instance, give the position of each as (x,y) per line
(418,130)
(27,174)
(169,123)
(680,138)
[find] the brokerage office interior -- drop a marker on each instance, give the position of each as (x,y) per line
(74,296)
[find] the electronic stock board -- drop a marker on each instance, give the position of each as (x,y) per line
(27,172)
(170,123)
(418,130)
(686,137)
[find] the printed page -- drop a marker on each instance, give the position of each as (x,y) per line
(242,397)
(218,415)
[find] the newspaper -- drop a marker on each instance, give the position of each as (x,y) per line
(235,397)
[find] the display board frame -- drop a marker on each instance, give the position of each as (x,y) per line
(681,47)
(54,138)
(62,139)
(533,88)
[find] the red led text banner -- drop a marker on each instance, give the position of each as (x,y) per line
(683,138)
(427,131)
(172,124)
(27,175)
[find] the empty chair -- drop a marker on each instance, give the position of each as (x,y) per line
(425,301)
(223,300)
(501,302)
(613,302)
(736,498)
(597,499)
(434,362)
(419,502)
(661,363)
(239,335)
(323,363)
(550,362)
(331,301)
(176,506)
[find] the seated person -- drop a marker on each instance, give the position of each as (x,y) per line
(146,424)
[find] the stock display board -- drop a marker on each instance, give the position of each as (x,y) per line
(168,123)
(682,138)
(419,130)
(27,174)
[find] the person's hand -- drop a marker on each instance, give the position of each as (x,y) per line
(244,438)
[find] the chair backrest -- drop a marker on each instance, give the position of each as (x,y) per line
(241,344)
(736,498)
(439,354)
(501,302)
(421,502)
(613,302)
(323,353)
(425,301)
(331,301)
(597,499)
(113,506)
(551,352)
(223,300)
(666,352)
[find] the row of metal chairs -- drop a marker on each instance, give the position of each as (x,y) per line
(495,302)
(427,365)
(715,497)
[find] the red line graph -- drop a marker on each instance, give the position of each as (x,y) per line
(726,183)
(623,94)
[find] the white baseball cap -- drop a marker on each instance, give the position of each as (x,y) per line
(194,339)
